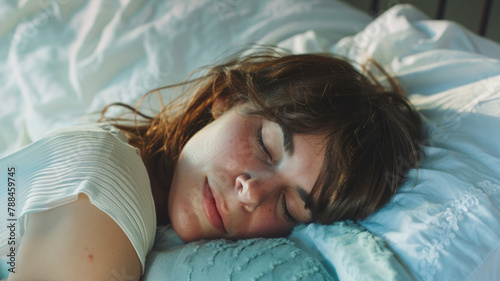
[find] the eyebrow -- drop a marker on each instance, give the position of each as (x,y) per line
(304,196)
(289,149)
(302,193)
(287,140)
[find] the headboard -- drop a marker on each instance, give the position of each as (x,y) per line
(475,15)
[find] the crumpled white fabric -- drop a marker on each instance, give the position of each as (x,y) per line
(62,60)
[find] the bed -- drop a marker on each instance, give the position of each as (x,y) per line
(62,61)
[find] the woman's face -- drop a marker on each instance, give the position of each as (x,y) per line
(238,178)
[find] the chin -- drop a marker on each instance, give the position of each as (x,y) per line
(186,235)
(191,230)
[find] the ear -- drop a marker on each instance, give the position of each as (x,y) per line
(218,107)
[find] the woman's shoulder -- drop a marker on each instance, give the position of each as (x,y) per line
(89,131)
(99,246)
(94,159)
(85,142)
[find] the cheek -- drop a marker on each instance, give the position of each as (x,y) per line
(184,218)
(182,212)
(184,198)
(243,148)
(234,158)
(235,152)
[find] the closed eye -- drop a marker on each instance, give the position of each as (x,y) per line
(286,214)
(262,145)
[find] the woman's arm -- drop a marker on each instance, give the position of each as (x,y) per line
(76,241)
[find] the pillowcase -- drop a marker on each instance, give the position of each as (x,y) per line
(252,259)
(341,251)
(350,252)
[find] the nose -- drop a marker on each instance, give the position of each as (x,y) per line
(252,191)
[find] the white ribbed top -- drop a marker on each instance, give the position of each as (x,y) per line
(91,159)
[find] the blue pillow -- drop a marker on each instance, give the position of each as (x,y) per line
(253,259)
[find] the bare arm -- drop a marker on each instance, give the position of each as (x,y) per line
(76,241)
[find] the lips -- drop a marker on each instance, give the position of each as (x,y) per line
(210,208)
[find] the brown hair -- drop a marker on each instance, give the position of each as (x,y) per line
(371,134)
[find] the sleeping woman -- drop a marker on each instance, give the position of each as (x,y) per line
(250,149)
